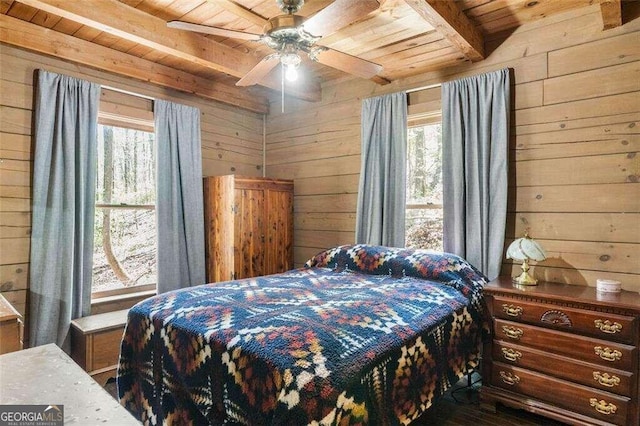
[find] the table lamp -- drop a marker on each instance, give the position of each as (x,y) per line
(525,249)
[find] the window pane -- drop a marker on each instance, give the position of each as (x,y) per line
(125,238)
(130,255)
(424,187)
(424,229)
(424,164)
(131,154)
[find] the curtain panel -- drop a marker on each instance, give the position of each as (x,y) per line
(64,170)
(380,218)
(179,205)
(475,137)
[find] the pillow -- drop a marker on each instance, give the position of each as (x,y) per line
(378,260)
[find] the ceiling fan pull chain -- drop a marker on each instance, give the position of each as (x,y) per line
(282,83)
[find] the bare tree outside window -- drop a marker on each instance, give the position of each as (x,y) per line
(424,187)
(125,227)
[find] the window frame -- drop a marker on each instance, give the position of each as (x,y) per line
(428,205)
(141,118)
(424,108)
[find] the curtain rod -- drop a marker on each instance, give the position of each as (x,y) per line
(126,92)
(417,89)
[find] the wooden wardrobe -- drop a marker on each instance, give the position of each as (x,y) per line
(248,226)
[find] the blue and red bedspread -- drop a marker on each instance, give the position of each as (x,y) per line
(361,335)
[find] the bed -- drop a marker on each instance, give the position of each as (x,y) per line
(360,335)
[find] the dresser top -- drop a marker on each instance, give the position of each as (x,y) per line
(567,292)
(46,375)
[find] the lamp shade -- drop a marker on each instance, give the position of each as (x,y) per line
(526,249)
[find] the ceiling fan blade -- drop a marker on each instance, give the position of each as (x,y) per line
(337,15)
(259,71)
(349,64)
(242,35)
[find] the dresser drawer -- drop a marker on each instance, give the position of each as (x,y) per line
(10,336)
(607,379)
(106,348)
(596,351)
(594,403)
(10,327)
(598,324)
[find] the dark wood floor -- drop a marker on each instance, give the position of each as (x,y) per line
(461,408)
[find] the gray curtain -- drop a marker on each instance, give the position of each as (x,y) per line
(475,137)
(381,195)
(179,205)
(64,170)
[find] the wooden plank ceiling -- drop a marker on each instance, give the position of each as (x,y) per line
(130,37)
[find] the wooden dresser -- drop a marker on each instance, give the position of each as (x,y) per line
(10,327)
(248,226)
(46,375)
(562,351)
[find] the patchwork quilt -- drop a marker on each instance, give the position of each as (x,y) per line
(360,335)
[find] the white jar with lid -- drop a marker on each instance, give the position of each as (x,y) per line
(608,286)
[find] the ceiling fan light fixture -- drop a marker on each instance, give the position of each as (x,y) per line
(291,73)
(290,60)
(305,37)
(315,51)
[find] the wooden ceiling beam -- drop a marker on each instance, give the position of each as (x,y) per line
(23,34)
(241,11)
(450,21)
(611,11)
(5,5)
(128,23)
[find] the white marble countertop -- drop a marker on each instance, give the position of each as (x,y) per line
(45,375)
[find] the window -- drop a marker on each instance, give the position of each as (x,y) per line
(124,256)
(423,212)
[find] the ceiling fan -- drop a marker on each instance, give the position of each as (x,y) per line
(290,34)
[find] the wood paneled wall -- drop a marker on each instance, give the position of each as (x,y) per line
(574,171)
(574,163)
(232,142)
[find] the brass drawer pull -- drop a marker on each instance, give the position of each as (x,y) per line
(512,332)
(511,355)
(602,406)
(605,379)
(608,354)
(511,310)
(607,327)
(509,378)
